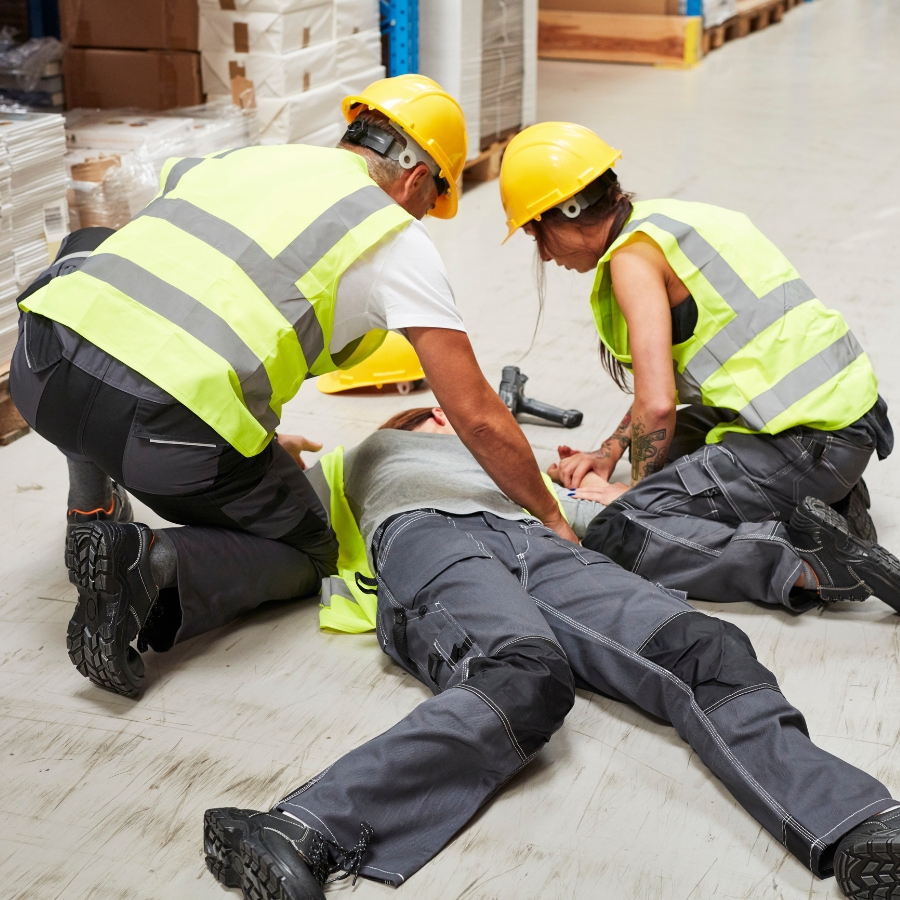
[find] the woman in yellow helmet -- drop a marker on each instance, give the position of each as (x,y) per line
(700,308)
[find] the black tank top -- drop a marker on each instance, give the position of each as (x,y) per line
(684,320)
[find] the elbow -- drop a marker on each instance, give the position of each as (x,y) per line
(660,410)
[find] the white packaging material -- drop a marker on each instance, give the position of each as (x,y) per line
(530,63)
(450,53)
(9,330)
(715,12)
(272,76)
(249,6)
(356,84)
(100,129)
(353,16)
(502,68)
(284,120)
(358,52)
(32,197)
(257,32)
(325,137)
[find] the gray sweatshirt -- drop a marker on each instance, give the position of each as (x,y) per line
(398,471)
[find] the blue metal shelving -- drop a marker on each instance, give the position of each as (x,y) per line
(400,22)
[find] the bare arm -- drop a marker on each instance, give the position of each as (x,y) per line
(483,422)
(575,465)
(639,272)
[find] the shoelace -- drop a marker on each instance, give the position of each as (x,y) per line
(350,860)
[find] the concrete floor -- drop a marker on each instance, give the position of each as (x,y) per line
(102,797)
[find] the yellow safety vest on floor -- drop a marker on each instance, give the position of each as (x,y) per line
(222,290)
(349,602)
(764,346)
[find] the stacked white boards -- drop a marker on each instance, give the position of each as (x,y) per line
(301,56)
(484,52)
(34,215)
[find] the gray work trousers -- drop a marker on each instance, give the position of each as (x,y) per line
(499,619)
(711,523)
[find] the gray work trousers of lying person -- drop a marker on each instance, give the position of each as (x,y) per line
(498,619)
(711,523)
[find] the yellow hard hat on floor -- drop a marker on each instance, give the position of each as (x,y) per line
(546,164)
(394,362)
(431,117)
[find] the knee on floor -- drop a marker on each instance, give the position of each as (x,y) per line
(713,657)
(531,682)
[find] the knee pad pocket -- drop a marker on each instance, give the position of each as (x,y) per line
(531,682)
(713,657)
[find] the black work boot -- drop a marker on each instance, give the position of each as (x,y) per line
(855,509)
(847,567)
(268,855)
(110,565)
(867,860)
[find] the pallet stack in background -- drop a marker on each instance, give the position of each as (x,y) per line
(301,57)
(484,52)
(33,211)
(137,53)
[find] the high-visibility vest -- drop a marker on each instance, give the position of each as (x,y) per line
(222,290)
(764,346)
(349,602)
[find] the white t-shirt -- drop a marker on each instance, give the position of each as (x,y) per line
(399,283)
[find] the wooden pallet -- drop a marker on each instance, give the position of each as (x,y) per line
(485,166)
(753,15)
(12,425)
(662,40)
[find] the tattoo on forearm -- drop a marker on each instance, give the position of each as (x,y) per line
(648,451)
(621,436)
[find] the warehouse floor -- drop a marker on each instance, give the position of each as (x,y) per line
(103,797)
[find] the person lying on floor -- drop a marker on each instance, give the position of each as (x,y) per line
(500,618)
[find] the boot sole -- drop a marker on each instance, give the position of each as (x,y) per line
(236,863)
(870,871)
(97,648)
(878,569)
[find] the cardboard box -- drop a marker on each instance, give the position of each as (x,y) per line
(147,79)
(356,84)
(353,16)
(272,75)
(358,52)
(632,7)
(247,6)
(129,24)
(234,32)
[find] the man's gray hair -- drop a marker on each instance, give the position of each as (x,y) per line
(384,171)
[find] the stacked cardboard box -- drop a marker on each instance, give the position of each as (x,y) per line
(33,211)
(484,52)
(142,53)
(300,56)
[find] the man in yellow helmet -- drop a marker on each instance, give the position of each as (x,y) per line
(163,359)
(741,493)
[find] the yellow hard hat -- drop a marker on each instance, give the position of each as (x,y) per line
(546,164)
(431,117)
(394,362)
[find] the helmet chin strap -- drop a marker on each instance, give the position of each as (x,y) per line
(574,206)
(365,134)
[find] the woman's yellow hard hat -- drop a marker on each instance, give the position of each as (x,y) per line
(431,117)
(546,164)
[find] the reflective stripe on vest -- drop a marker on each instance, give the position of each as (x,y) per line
(177,293)
(745,349)
(345,607)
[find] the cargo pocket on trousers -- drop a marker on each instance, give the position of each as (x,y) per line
(170,450)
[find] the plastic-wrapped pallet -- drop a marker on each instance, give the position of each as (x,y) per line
(32,204)
(115,156)
(715,12)
(299,56)
(484,52)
